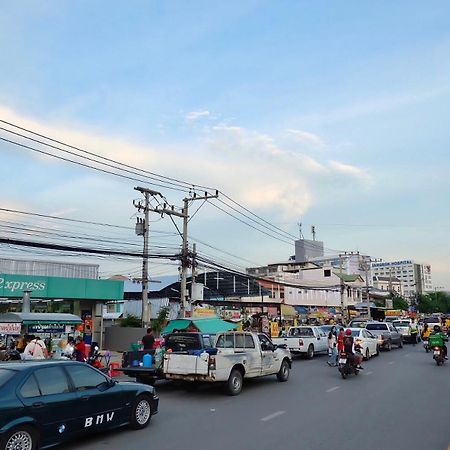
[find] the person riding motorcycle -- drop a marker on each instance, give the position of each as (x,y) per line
(356,358)
(437,339)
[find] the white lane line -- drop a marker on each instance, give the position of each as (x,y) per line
(391,362)
(333,389)
(272,416)
(368,373)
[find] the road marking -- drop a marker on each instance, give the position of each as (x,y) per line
(406,354)
(213,409)
(333,388)
(368,373)
(391,362)
(272,416)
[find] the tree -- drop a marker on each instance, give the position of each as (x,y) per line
(400,303)
(159,323)
(130,321)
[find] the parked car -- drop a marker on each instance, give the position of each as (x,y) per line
(305,340)
(358,323)
(239,356)
(45,403)
(386,333)
(367,341)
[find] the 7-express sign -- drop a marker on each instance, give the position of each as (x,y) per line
(10,328)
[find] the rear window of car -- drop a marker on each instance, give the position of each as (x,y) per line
(355,333)
(359,324)
(180,342)
(301,332)
(377,326)
(401,323)
(432,320)
(5,376)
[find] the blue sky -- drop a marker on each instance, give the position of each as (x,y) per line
(332,113)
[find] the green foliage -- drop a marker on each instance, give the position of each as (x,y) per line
(434,303)
(159,323)
(400,303)
(130,321)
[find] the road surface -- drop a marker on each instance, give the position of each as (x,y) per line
(401,401)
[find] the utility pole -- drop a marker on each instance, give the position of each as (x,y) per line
(343,306)
(142,229)
(185,246)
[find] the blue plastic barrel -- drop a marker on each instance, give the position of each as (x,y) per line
(147,360)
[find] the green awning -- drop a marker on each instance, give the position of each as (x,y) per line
(207,325)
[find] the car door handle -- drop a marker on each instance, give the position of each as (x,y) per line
(85,398)
(38,405)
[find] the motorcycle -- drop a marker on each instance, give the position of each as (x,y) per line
(438,355)
(347,366)
(425,345)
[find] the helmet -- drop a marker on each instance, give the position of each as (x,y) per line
(348,332)
(437,329)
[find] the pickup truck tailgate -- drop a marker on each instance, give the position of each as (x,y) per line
(185,364)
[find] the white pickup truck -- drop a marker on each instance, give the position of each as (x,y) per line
(304,340)
(239,356)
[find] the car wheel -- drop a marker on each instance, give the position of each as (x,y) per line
(234,383)
(283,373)
(21,438)
(141,412)
(367,354)
(310,352)
(378,351)
(389,346)
(401,344)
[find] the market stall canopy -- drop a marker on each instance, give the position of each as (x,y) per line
(205,325)
(288,311)
(40,318)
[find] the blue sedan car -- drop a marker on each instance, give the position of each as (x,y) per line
(45,403)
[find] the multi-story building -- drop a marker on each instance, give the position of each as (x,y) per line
(415,278)
(389,284)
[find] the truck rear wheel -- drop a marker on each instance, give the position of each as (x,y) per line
(234,383)
(283,373)
(310,352)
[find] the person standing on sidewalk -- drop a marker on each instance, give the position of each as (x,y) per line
(332,348)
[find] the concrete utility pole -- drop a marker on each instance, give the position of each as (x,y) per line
(343,306)
(142,228)
(185,247)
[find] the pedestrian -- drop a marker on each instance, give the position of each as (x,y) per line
(35,349)
(80,349)
(413,331)
(340,341)
(148,340)
(332,347)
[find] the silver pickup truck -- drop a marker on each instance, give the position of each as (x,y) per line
(304,340)
(239,355)
(386,333)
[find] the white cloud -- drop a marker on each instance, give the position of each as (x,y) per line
(252,167)
(195,115)
(307,137)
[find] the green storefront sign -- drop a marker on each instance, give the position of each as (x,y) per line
(12,286)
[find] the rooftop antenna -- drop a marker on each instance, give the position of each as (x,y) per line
(300,230)
(313,231)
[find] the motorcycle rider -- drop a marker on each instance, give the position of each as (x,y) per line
(437,339)
(348,349)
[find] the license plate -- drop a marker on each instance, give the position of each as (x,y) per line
(342,361)
(437,352)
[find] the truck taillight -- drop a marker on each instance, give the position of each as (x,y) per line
(212,363)
(300,342)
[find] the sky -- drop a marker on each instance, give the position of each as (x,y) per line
(333,114)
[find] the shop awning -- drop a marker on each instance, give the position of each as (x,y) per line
(206,325)
(40,318)
(288,311)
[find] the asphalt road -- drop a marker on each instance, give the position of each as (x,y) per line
(401,401)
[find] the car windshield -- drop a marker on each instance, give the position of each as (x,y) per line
(355,333)
(5,375)
(401,323)
(377,326)
(301,332)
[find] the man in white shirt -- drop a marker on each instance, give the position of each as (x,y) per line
(35,349)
